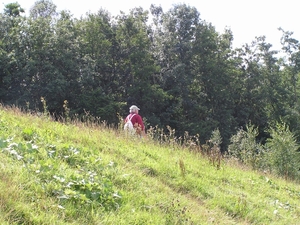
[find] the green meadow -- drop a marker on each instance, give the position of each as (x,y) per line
(87,173)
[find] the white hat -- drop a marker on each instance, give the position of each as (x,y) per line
(133,108)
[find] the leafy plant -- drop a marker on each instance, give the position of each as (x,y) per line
(84,187)
(28,134)
(245,148)
(213,150)
(176,213)
(283,151)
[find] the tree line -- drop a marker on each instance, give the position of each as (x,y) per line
(174,65)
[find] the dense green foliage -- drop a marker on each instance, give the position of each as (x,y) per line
(279,155)
(175,67)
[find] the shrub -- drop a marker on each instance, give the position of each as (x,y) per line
(283,151)
(245,148)
(214,151)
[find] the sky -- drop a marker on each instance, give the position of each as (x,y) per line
(247,19)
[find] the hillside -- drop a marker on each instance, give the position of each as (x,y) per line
(85,173)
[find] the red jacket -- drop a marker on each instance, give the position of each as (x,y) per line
(136,119)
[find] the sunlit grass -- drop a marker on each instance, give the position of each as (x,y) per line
(56,172)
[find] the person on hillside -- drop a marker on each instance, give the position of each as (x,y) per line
(134,122)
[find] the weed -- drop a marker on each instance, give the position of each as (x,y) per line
(66,111)
(241,207)
(212,149)
(215,156)
(175,213)
(182,168)
(45,107)
(28,134)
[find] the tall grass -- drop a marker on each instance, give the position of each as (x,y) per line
(86,173)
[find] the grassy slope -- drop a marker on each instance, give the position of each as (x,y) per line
(154,189)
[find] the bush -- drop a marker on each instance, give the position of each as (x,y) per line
(245,148)
(283,151)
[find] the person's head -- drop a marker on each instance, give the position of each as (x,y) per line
(134,109)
